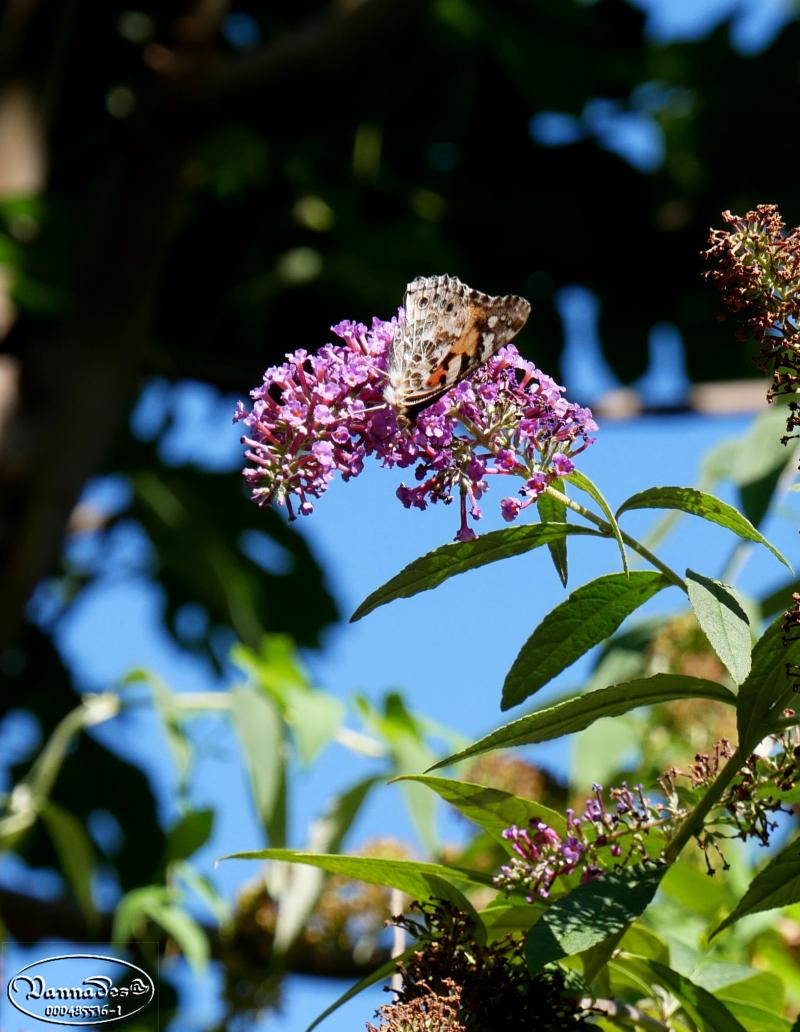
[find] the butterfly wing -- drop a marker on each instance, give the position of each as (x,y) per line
(449,330)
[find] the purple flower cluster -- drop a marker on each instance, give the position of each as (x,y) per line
(591,842)
(318,415)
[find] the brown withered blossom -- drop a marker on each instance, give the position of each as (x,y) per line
(431,1012)
(791,634)
(756,265)
(752,796)
(496,989)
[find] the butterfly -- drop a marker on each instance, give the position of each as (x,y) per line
(449,331)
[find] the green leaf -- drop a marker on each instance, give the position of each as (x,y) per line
(432,569)
(384,972)
(581,481)
(707,1012)
(721,615)
(134,906)
(191,832)
(410,751)
(490,808)
(419,880)
(260,731)
(204,889)
(698,503)
(644,942)
(189,937)
(580,711)
(171,716)
(759,451)
(75,853)
(757,1019)
(598,751)
(157,904)
(503,916)
(553,511)
(591,913)
(763,989)
(589,615)
(314,717)
(755,497)
(767,689)
(776,885)
(779,600)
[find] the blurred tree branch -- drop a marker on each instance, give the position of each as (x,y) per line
(77,377)
(30,919)
(319,48)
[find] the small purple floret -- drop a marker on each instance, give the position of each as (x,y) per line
(318,415)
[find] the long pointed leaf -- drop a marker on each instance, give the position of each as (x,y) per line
(491,808)
(698,503)
(579,712)
(417,879)
(551,510)
(767,684)
(707,1012)
(74,850)
(590,615)
(431,569)
(776,885)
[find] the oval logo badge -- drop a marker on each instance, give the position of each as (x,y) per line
(80,989)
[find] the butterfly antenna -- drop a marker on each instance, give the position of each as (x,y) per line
(375,408)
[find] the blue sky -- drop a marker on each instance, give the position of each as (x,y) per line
(446,650)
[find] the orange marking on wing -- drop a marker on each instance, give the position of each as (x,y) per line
(467,343)
(436,377)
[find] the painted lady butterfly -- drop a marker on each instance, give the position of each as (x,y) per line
(449,331)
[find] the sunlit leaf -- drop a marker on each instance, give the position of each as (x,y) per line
(432,569)
(721,615)
(698,503)
(490,808)
(420,881)
(588,616)
(579,712)
(705,1010)
(776,885)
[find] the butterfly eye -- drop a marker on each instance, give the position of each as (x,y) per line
(423,302)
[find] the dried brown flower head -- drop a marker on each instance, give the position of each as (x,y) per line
(756,265)
(430,1012)
(496,989)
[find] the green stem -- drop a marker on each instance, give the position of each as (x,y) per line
(692,824)
(608,531)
